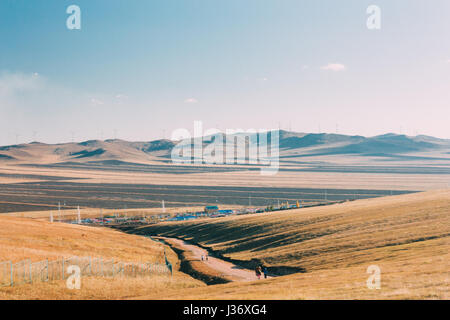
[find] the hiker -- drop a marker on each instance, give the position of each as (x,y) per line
(261,269)
(202,257)
(258,272)
(265,272)
(206,257)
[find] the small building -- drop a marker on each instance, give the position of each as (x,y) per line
(211,209)
(182,218)
(226,212)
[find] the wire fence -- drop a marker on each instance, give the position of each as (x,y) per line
(13,274)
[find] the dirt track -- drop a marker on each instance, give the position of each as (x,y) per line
(228,270)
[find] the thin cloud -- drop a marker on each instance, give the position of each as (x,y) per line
(11,83)
(190,100)
(96,102)
(336,67)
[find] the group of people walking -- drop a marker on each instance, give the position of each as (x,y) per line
(261,270)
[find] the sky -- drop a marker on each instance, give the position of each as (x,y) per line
(138,70)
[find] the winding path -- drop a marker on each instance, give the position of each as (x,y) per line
(227,269)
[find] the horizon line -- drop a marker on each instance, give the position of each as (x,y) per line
(219,131)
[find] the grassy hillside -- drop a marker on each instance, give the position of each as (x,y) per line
(39,240)
(417,278)
(407,236)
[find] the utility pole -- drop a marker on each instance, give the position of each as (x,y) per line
(51,216)
(79,215)
(163,207)
(59,211)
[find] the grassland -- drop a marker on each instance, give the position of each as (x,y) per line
(39,187)
(44,196)
(300,176)
(407,236)
(419,278)
(39,240)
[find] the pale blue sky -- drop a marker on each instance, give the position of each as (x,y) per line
(141,67)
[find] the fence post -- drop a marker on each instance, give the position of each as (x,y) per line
(113,268)
(12,274)
(46,262)
(29,269)
(101,265)
(62,271)
(90,265)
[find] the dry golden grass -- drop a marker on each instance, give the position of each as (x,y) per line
(408,237)
(154,287)
(338,235)
(22,238)
(422,278)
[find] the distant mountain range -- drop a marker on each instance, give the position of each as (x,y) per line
(292,145)
(390,143)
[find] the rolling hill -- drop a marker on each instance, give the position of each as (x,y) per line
(330,248)
(293,147)
(22,239)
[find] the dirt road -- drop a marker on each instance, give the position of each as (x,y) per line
(227,269)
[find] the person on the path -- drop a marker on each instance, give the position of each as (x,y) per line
(202,257)
(266,272)
(258,272)
(206,257)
